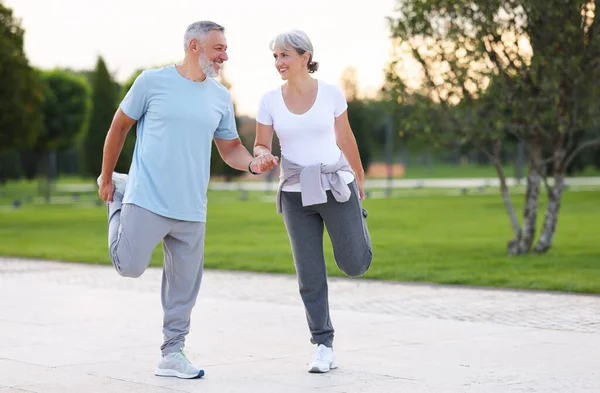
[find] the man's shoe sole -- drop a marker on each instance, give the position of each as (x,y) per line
(173,373)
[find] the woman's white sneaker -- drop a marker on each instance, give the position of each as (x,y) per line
(324,360)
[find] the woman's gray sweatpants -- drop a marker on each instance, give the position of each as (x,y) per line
(347,228)
(133,234)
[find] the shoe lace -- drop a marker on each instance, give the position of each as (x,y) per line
(321,354)
(181,355)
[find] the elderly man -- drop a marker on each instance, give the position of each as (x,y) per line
(180,110)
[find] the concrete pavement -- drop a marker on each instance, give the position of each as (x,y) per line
(81,328)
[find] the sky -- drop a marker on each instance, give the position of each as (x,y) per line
(132,34)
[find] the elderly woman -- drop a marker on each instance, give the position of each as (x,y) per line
(321,180)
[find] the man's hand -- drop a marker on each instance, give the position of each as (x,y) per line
(106,191)
(112,148)
(264,163)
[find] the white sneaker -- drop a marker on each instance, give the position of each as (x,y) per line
(324,360)
(120,182)
(176,364)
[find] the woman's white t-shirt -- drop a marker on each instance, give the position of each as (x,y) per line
(308,138)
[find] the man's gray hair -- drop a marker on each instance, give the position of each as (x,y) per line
(198,30)
(299,41)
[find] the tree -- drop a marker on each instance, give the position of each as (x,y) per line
(10,167)
(126,156)
(349,82)
(104,105)
(20,91)
(358,116)
(217,166)
(503,67)
(66,109)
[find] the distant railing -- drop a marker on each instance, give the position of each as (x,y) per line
(401,183)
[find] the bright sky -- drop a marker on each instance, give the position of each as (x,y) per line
(133,34)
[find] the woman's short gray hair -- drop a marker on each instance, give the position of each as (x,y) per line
(299,41)
(198,30)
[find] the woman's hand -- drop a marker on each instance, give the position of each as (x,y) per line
(360,182)
(264,163)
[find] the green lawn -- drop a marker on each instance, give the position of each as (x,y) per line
(65,190)
(427,238)
(447,171)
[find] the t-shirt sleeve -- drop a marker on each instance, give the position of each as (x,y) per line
(339,101)
(263,116)
(135,102)
(227,129)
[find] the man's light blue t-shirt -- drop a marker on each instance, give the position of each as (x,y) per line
(177,120)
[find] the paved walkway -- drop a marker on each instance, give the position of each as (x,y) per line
(81,328)
(405,183)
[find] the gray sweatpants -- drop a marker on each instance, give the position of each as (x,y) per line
(347,228)
(133,234)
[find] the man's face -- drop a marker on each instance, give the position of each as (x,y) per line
(213,52)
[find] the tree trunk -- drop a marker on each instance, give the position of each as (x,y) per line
(550,220)
(510,209)
(532,196)
(554,198)
(46,169)
(495,158)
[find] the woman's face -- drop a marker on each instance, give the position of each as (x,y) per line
(289,63)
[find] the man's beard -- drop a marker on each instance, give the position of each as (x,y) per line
(208,67)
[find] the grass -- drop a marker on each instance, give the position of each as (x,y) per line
(66,189)
(447,171)
(420,238)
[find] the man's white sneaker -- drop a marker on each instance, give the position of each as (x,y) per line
(176,364)
(324,360)
(120,182)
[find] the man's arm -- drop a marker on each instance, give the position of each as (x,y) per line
(115,139)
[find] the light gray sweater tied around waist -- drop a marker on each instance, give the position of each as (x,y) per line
(309,178)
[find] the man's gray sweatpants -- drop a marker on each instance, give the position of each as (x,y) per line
(133,234)
(347,228)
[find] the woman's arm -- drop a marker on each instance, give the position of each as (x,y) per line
(263,143)
(346,141)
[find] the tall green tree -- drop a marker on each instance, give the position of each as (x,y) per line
(358,116)
(20,91)
(104,104)
(126,156)
(10,166)
(66,109)
(217,166)
(525,68)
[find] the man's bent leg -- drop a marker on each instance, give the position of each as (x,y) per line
(133,233)
(182,275)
